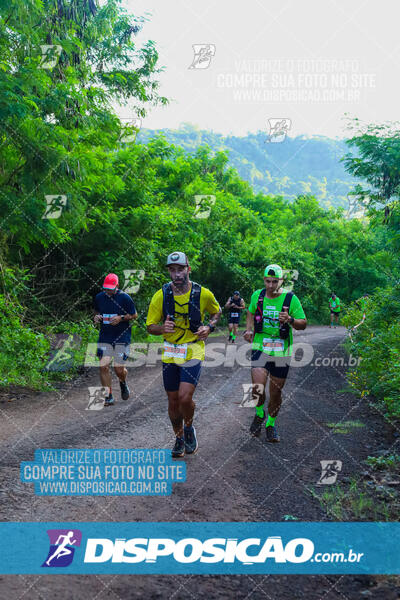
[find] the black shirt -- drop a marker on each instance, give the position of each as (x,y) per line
(237,302)
(119,303)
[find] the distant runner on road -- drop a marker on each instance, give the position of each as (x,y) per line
(235,305)
(334,305)
(180,306)
(114,310)
(271,315)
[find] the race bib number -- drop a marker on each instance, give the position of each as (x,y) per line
(174,350)
(234,314)
(107,319)
(273,345)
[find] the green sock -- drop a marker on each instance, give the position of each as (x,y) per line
(260,411)
(233,336)
(270,421)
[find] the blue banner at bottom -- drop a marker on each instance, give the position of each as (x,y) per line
(200,548)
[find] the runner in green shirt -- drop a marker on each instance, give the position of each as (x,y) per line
(271,350)
(334,305)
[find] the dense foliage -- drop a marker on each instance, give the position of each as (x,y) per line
(300,165)
(377,340)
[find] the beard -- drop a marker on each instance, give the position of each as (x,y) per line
(181,282)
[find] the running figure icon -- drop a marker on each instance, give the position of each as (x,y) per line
(62,549)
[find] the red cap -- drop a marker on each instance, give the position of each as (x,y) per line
(111,281)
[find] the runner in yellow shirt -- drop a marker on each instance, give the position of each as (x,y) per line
(180,306)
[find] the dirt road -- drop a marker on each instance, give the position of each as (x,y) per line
(233,477)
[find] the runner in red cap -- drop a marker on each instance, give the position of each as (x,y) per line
(114,310)
(110,282)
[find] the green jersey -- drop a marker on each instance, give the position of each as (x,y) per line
(269,341)
(334,304)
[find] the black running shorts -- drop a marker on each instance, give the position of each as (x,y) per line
(277,366)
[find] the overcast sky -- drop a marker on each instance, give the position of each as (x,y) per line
(310,62)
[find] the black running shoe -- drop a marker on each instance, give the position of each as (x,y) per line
(179,448)
(124,390)
(191,443)
(271,434)
(255,427)
(109,401)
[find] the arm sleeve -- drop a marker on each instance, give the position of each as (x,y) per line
(96,304)
(155,313)
(296,310)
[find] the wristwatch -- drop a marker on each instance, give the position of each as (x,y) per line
(212,327)
(291,320)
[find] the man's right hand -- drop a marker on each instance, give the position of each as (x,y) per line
(248,336)
(169,325)
(97,318)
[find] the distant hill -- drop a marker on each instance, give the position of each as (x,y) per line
(295,166)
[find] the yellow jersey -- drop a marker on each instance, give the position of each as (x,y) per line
(181,345)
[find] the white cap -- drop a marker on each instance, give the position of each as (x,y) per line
(177,258)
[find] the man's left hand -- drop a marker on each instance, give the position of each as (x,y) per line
(284,316)
(203,332)
(116,320)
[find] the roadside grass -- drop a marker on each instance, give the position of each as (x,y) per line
(344,426)
(373,497)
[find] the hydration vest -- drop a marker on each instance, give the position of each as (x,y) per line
(259,314)
(237,302)
(194,313)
